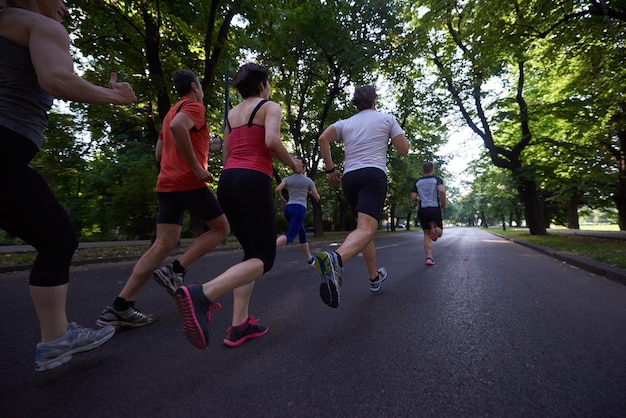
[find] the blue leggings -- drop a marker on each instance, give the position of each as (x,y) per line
(31,212)
(295,213)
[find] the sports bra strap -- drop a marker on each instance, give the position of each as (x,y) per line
(255,110)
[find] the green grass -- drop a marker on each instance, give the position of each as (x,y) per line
(610,251)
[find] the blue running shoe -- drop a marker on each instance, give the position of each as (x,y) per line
(76,340)
(328,267)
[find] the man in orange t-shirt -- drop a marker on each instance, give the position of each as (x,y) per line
(183,152)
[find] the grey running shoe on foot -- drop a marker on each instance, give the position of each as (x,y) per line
(76,340)
(170,280)
(328,267)
(130,318)
(311,261)
(377,285)
(195,308)
(236,336)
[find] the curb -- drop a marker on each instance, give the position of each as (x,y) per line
(608,271)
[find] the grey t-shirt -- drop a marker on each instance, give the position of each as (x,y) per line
(298,186)
(426,188)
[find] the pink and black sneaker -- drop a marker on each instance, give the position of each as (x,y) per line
(237,335)
(196,311)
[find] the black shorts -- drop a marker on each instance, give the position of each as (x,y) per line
(366,190)
(201,202)
(428,215)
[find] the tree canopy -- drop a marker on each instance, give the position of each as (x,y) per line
(541,83)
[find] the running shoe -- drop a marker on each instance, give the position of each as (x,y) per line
(430,261)
(311,261)
(328,267)
(433,231)
(131,318)
(196,311)
(236,336)
(377,285)
(76,340)
(168,278)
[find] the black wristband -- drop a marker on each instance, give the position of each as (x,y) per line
(332,170)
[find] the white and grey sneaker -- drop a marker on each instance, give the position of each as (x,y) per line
(130,318)
(76,340)
(168,278)
(377,285)
(328,267)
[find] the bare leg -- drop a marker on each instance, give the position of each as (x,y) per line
(206,242)
(358,239)
(240,279)
(50,307)
(428,244)
(281,240)
(241,302)
(369,256)
(306,250)
(166,240)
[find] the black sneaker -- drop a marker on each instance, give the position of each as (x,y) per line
(235,336)
(196,311)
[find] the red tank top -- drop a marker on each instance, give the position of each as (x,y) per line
(247,148)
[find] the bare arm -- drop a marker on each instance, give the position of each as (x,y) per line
(401,144)
(314,193)
(329,135)
(279,191)
(49,51)
(180,126)
(272,138)
(158,152)
(442,196)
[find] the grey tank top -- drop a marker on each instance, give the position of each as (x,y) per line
(24,104)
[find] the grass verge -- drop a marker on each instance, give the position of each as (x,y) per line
(605,250)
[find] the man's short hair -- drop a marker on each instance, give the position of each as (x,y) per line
(183,79)
(428,167)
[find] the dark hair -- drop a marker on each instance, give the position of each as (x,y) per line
(428,167)
(364,97)
(183,79)
(248,78)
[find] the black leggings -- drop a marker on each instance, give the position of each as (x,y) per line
(248,202)
(29,210)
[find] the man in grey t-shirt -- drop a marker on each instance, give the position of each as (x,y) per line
(430,192)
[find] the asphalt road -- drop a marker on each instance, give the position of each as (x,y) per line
(494,329)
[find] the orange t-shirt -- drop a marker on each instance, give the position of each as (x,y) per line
(175,174)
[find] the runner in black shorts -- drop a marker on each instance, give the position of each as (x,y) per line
(366,137)
(431,194)
(182,152)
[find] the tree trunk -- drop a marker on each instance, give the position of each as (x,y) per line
(620,200)
(532,208)
(572,212)
(318,219)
